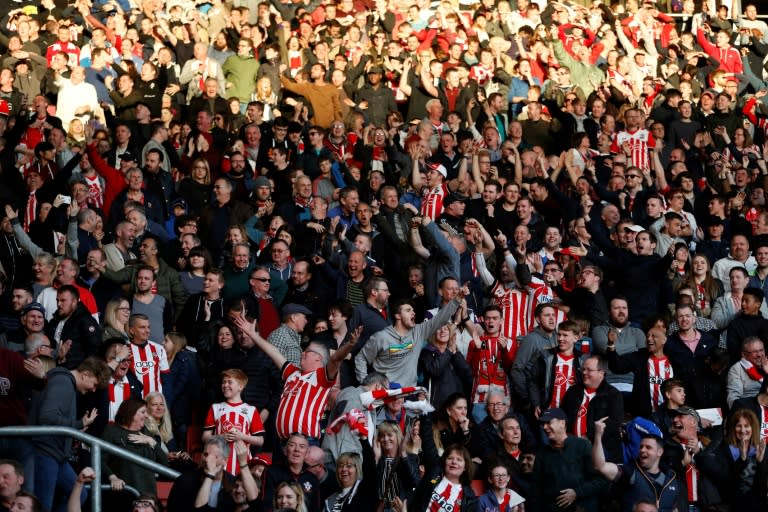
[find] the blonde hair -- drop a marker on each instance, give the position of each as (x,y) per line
(162,428)
(179,343)
(301,506)
(110,313)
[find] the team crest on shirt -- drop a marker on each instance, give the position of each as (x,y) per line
(582,410)
(143,367)
(307,487)
(560,380)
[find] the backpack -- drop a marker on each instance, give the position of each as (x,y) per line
(631,434)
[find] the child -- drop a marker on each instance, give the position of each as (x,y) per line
(674,398)
(233,419)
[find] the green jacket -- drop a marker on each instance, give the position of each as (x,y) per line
(585,76)
(242,73)
(168,283)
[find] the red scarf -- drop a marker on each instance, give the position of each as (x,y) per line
(751,370)
(581,421)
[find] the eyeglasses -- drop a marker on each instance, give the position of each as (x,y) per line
(346,465)
(46,346)
(123,309)
(633,176)
(143,504)
(760,351)
(385,290)
(496,405)
(262,279)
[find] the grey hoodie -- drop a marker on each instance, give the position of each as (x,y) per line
(397,356)
(56,406)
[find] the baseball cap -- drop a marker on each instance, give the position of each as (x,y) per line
(552,414)
(635,228)
(128,157)
(261,458)
(33,306)
(454,198)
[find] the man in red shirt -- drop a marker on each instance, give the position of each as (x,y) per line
(307,387)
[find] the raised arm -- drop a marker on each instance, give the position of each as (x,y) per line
(250,328)
(608,469)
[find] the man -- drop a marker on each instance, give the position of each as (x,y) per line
(241,72)
(77,99)
(281,266)
(76,334)
(650,368)
(158,141)
(738,257)
(539,339)
(150,361)
(213,460)
(435,191)
(395,350)
(222,212)
(314,461)
(145,302)
(157,180)
(209,101)
(57,406)
(623,337)
(302,289)
(591,399)
(168,284)
(563,475)
(490,357)
(348,399)
(759,278)
(21,295)
(293,469)
(745,323)
(652,483)
(554,371)
(66,275)
(31,321)
(373,313)
(745,378)
(306,388)
(259,304)
(587,300)
(322,96)
(634,141)
(287,338)
(198,69)
(11,481)
(377,99)
(349,198)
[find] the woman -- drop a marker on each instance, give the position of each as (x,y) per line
(291,496)
(183,383)
(267,96)
(680,269)
(518,91)
(44,270)
(76,133)
(196,188)
(738,465)
(224,355)
(158,421)
(453,425)
(741,146)
(396,474)
(708,289)
(445,370)
(446,478)
(198,264)
(129,432)
(499,496)
(357,478)
(579,157)
(116,316)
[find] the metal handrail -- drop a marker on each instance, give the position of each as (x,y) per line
(96,445)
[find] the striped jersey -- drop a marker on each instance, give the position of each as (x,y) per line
(304,398)
(225,417)
(149,362)
(432,203)
(514,308)
(659,370)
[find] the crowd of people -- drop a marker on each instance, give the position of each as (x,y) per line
(375,254)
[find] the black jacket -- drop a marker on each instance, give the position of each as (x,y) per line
(637,363)
(444,374)
(84,332)
(607,402)
(542,377)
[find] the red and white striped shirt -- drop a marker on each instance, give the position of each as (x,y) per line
(446,497)
(95,191)
(149,361)
(304,398)
(432,203)
(640,141)
(225,417)
(580,428)
(659,370)
(540,293)
(514,307)
(489,365)
(117,392)
(565,377)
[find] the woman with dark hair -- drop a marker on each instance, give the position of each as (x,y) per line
(129,432)
(452,422)
(738,465)
(196,188)
(198,264)
(224,354)
(446,479)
